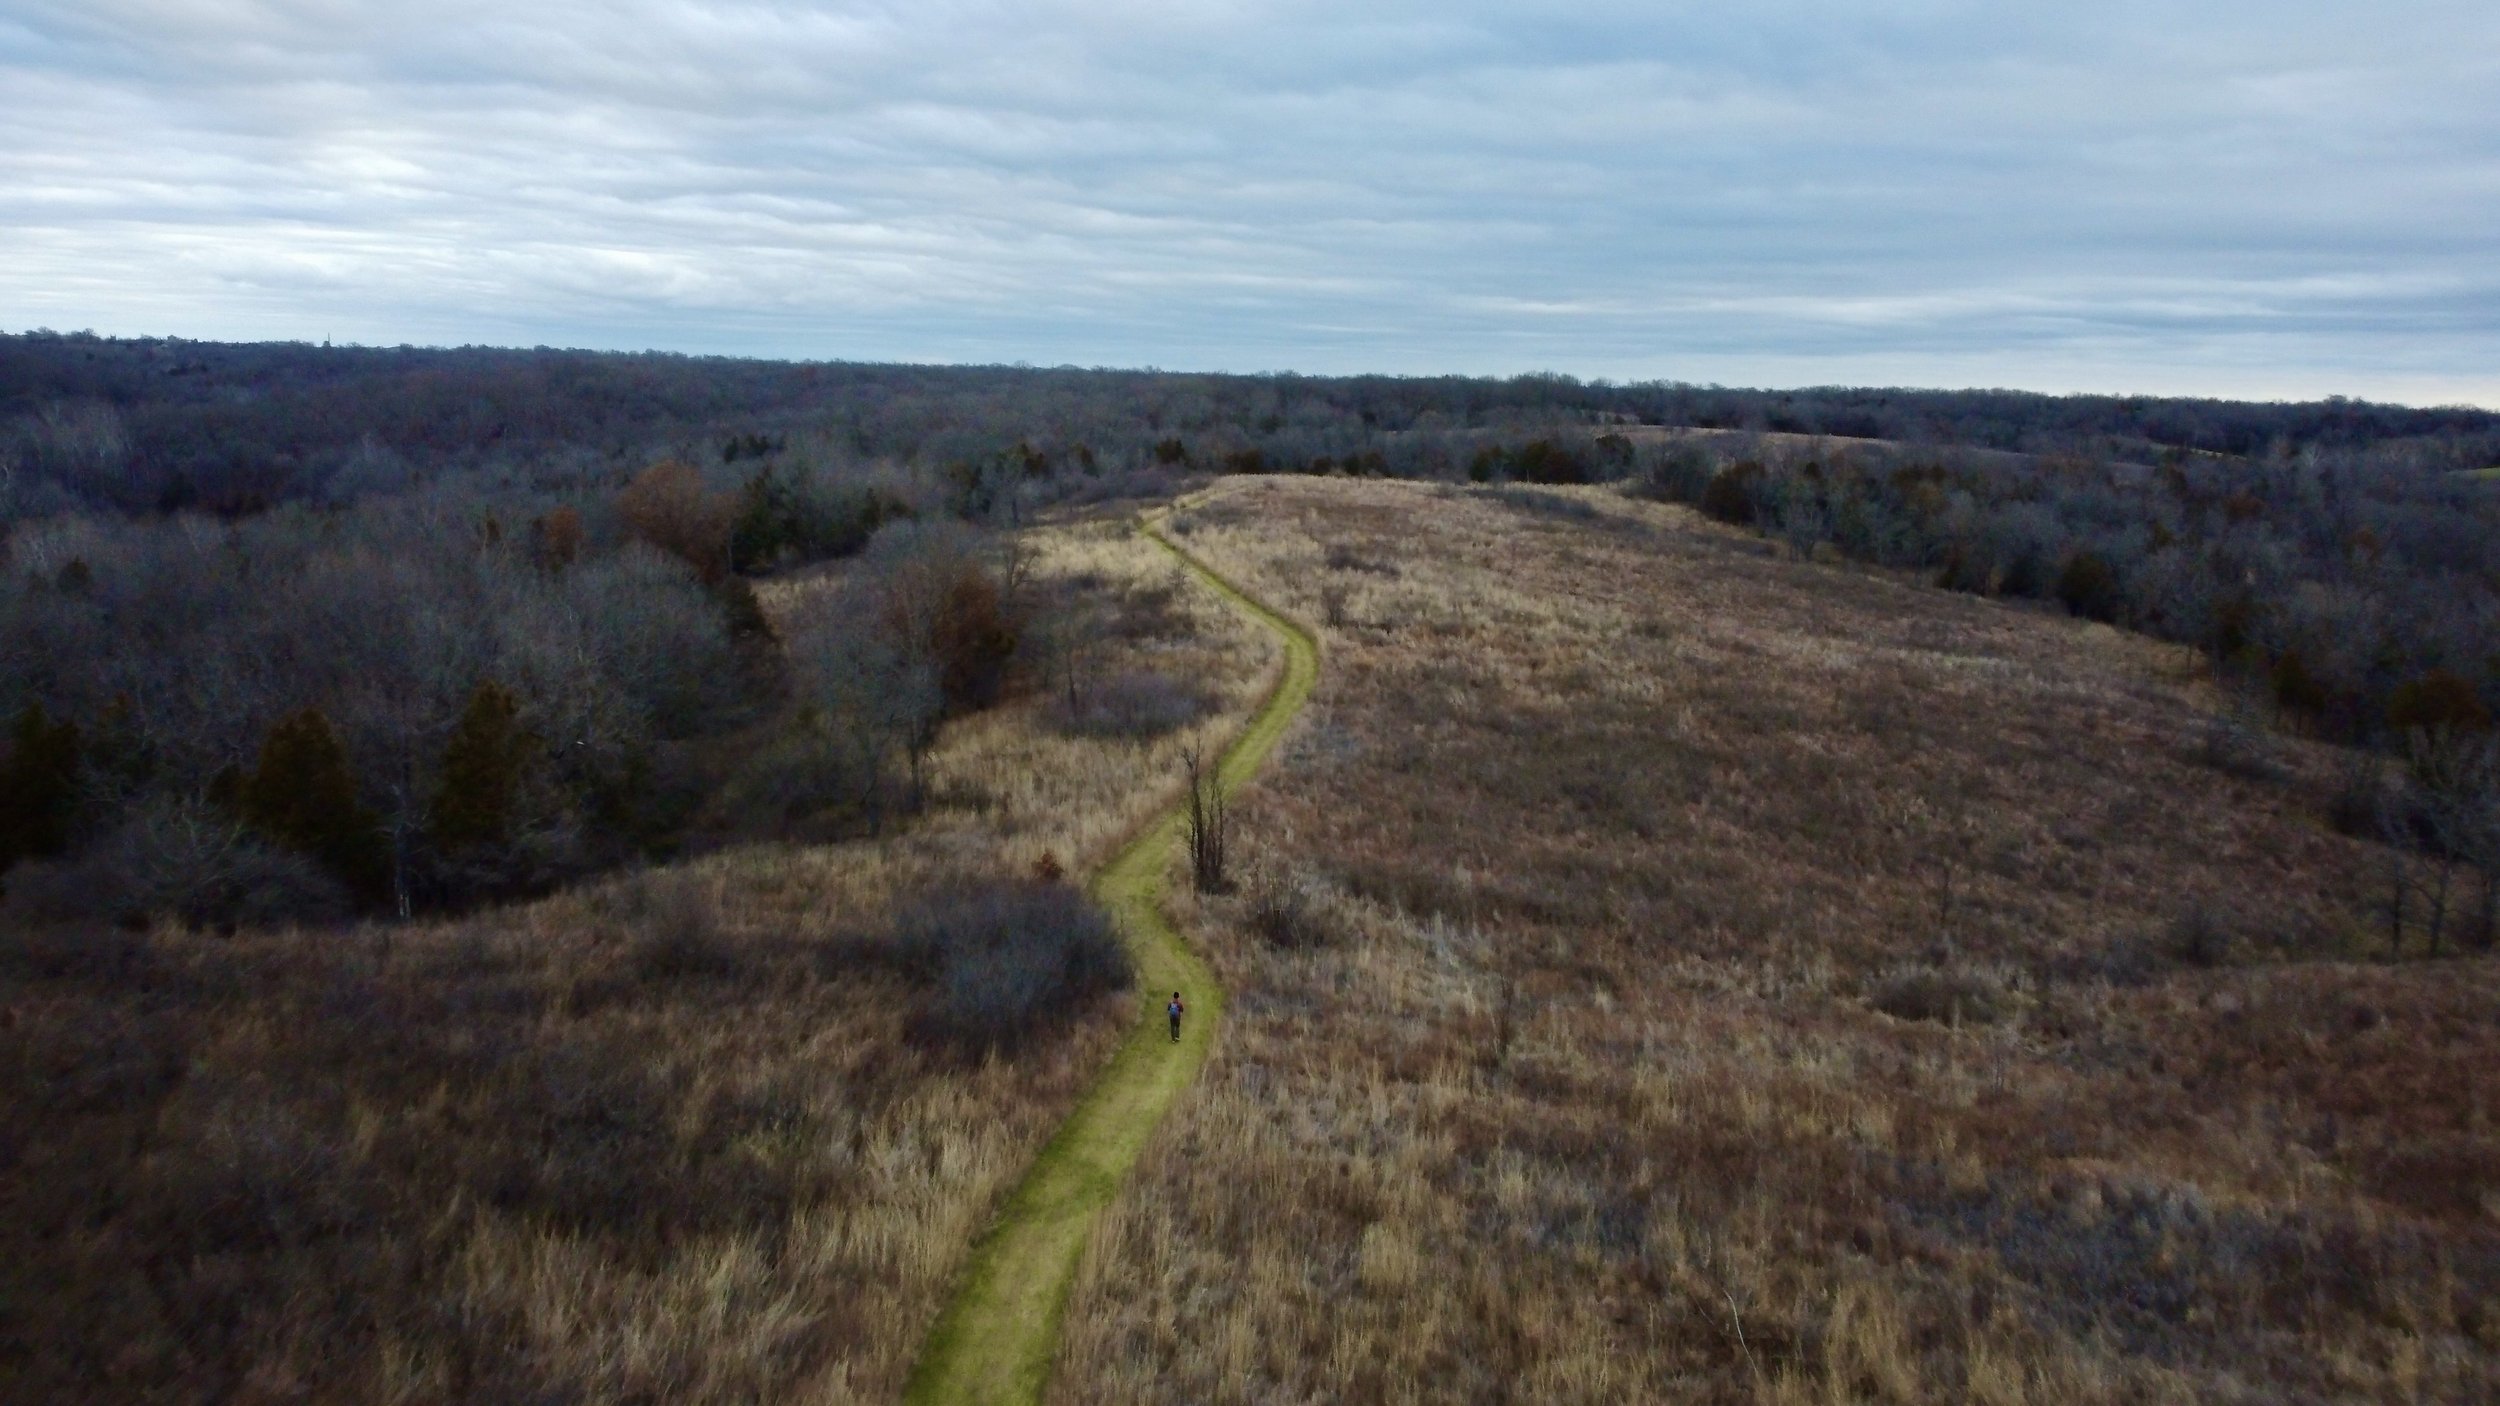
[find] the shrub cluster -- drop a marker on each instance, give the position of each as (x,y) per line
(39,778)
(790,514)
(192,1149)
(998,961)
(1136,706)
(1950,995)
(1284,910)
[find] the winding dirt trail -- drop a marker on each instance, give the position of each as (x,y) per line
(996,1340)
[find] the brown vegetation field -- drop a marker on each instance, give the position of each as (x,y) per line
(1675,971)
(663,1138)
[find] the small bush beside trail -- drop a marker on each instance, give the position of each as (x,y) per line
(1001,960)
(1284,909)
(1138,706)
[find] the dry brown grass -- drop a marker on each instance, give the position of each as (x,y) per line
(1628,833)
(660,1139)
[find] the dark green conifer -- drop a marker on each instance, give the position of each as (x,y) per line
(303,796)
(481,773)
(38,786)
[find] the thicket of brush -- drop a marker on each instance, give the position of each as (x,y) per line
(1002,958)
(421,702)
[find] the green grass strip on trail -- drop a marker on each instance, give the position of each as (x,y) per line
(997,1339)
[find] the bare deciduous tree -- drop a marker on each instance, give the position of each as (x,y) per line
(1207,825)
(1332,604)
(2456,779)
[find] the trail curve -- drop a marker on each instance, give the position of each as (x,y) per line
(998,1336)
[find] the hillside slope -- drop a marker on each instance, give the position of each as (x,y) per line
(1687,973)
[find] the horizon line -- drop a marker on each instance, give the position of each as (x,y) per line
(1600,382)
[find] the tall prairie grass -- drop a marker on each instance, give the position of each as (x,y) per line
(1750,980)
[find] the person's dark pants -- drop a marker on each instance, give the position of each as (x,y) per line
(1176,1030)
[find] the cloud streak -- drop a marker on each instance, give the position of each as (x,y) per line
(2229,198)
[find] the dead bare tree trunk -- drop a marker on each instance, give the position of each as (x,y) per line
(2444,871)
(401,823)
(2395,836)
(1209,822)
(2470,826)
(1071,642)
(2458,778)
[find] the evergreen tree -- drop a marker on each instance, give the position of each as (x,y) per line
(303,796)
(749,627)
(2089,587)
(481,773)
(38,786)
(767,522)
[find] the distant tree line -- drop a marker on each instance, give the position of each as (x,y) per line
(161,425)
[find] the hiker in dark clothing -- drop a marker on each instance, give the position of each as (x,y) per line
(1174,1010)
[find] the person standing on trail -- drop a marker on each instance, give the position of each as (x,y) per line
(1175,1011)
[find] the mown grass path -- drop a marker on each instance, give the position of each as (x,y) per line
(996,1340)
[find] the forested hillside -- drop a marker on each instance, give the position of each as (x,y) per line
(165,423)
(373,628)
(634,798)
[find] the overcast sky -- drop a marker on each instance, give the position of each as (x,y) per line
(2270,199)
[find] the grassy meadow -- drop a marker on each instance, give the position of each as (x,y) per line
(1672,970)
(1658,966)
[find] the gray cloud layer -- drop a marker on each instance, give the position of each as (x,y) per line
(2283,198)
